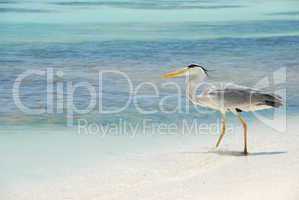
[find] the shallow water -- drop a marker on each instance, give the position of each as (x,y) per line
(143,39)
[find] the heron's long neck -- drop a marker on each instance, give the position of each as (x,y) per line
(196,85)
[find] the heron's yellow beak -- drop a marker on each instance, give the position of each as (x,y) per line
(176,73)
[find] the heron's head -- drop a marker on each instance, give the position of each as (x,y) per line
(192,70)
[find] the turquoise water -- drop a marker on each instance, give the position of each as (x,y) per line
(241,41)
(143,39)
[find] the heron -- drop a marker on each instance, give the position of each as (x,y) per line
(231,98)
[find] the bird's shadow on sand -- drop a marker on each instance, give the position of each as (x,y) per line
(239,153)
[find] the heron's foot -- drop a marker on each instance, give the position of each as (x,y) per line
(245,152)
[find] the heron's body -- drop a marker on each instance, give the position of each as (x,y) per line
(236,98)
(228,98)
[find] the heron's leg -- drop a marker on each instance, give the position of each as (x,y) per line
(245,132)
(222,130)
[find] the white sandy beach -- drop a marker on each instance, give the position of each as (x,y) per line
(183,171)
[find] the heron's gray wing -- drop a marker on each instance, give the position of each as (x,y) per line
(243,98)
(230,97)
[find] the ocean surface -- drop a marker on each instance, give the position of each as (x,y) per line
(238,41)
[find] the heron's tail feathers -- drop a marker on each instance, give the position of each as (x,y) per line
(272,100)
